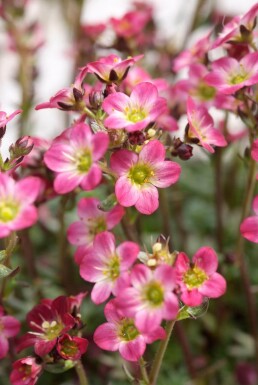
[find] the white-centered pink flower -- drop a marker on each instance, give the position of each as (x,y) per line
(199,279)
(150,299)
(92,221)
(16,203)
(229,75)
(120,333)
(107,265)
(4,118)
(73,156)
(9,327)
(140,175)
(249,227)
(136,111)
(201,127)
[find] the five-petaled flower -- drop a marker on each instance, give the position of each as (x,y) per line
(9,327)
(140,175)
(25,371)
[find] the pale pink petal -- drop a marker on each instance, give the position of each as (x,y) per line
(4,230)
(92,179)
(153,152)
(4,346)
(147,320)
(26,218)
(214,287)
(81,136)
(129,301)
(206,259)
(101,291)
(106,337)
(192,297)
(100,143)
(250,63)
(127,193)
(249,229)
(78,234)
(128,251)
(132,127)
(144,95)
(60,158)
(158,109)
(117,102)
(116,120)
(114,216)
(28,189)
(165,274)
(140,275)
(91,269)
(171,306)
(132,350)
(148,200)
(67,181)
(122,160)
(104,245)
(11,326)
(182,263)
(88,208)
(166,174)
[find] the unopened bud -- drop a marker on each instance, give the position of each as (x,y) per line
(96,98)
(136,138)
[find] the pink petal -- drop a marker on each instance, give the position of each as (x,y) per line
(80,136)
(28,189)
(148,200)
(144,95)
(116,120)
(153,152)
(147,320)
(100,292)
(91,269)
(100,143)
(92,179)
(106,337)
(182,263)
(127,193)
(132,350)
(254,152)
(255,205)
(165,274)
(26,218)
(67,181)
(122,160)
(114,216)
(44,347)
(104,245)
(140,275)
(214,287)
(112,312)
(192,297)
(4,346)
(166,174)
(249,229)
(60,157)
(171,307)
(154,335)
(206,259)
(88,208)
(77,233)
(11,326)
(128,251)
(117,102)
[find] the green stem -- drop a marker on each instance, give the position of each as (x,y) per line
(144,374)
(160,353)
(81,373)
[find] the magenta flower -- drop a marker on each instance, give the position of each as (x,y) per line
(199,279)
(254,150)
(92,221)
(249,227)
(107,265)
(48,321)
(9,327)
(111,69)
(230,75)
(73,157)
(201,127)
(16,199)
(4,118)
(131,24)
(140,175)
(25,371)
(120,333)
(134,113)
(151,298)
(71,348)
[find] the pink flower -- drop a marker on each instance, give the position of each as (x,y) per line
(48,321)
(71,348)
(16,198)
(107,265)
(111,69)
(131,24)
(4,118)
(9,327)
(151,298)
(201,127)
(134,113)
(73,157)
(229,75)
(199,278)
(25,371)
(120,333)
(140,175)
(254,150)
(249,227)
(92,221)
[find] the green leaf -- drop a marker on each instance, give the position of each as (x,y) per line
(7,272)
(108,203)
(60,367)
(2,255)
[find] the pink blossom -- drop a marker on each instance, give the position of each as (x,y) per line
(135,112)
(140,175)
(4,118)
(92,221)
(120,333)
(199,279)
(131,24)
(150,299)
(201,127)
(73,157)
(9,327)
(107,265)
(25,371)
(138,75)
(249,227)
(16,203)
(93,31)
(48,321)
(254,150)
(111,69)
(229,75)
(71,348)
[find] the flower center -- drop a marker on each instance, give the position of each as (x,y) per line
(51,329)
(69,348)
(84,161)
(97,225)
(128,330)
(113,270)
(194,278)
(25,370)
(135,115)
(140,174)
(154,294)
(238,78)
(8,211)
(206,92)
